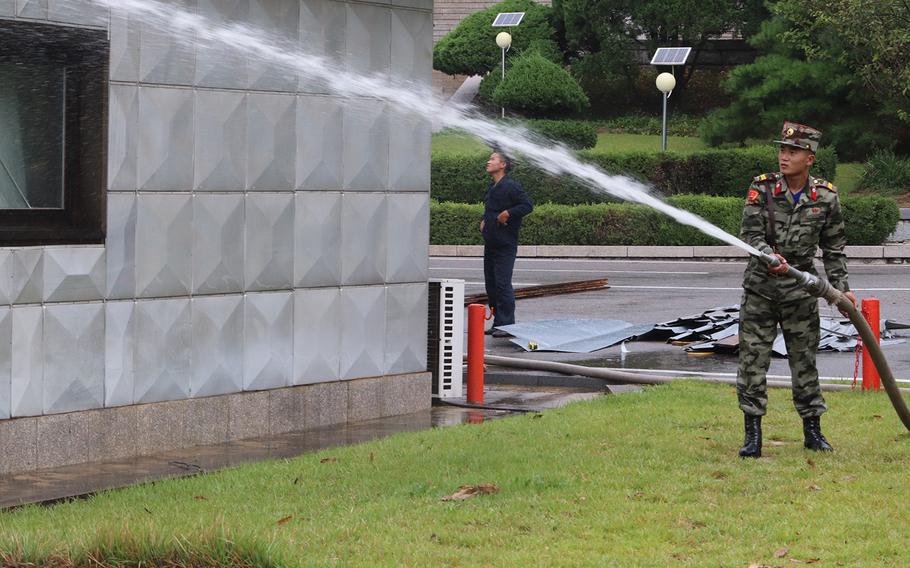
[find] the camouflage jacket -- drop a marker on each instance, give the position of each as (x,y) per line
(815,221)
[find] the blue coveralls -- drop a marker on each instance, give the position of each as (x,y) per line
(501,245)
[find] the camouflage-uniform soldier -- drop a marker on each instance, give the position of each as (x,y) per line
(787,214)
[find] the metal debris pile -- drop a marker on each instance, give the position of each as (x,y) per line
(717,331)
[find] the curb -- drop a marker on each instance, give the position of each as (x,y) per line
(898,253)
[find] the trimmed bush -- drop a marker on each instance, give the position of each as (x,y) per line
(462,178)
(470,48)
(869,220)
(576,134)
(887,174)
(534,85)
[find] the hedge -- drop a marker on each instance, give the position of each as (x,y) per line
(725,172)
(869,220)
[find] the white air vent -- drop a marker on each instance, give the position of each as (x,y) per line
(445,336)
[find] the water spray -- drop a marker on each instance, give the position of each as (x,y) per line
(419,101)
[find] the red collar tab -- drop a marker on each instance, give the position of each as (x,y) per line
(813,194)
(777,188)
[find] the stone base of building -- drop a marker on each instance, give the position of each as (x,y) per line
(40,442)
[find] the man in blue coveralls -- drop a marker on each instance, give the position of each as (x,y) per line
(505,204)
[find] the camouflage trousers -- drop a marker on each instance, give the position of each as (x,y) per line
(759,318)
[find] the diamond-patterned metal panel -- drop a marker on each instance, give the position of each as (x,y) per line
(34,9)
(363,321)
(217,64)
(272,142)
(364,226)
(165,139)
(124,45)
(74,273)
(366,146)
(317,335)
(322,33)
(409,153)
(163,348)
(79,12)
(74,351)
(26,276)
(6,263)
(317,239)
(409,237)
(217,345)
(368,42)
(320,145)
(120,245)
(406,329)
(268,345)
(269,227)
(27,362)
(123,144)
(6,354)
(119,350)
(412,44)
(163,58)
(164,233)
(281,19)
(221,141)
(218,244)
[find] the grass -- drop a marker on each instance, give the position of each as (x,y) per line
(646,479)
(460,143)
(848,177)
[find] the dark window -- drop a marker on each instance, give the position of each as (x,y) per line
(53,134)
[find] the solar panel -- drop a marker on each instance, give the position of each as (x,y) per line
(508,19)
(671,55)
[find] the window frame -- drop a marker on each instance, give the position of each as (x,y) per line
(86,54)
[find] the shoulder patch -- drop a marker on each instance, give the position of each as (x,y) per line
(752,196)
(822,183)
(766,178)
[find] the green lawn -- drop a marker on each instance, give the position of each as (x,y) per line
(848,176)
(646,479)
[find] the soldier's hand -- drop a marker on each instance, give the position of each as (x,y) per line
(483,223)
(779,269)
(503,217)
(850,296)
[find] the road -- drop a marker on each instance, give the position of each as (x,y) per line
(659,291)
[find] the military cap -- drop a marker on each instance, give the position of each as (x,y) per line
(800,136)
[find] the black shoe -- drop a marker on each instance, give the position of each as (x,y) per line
(488,331)
(812,432)
(501,333)
(752,442)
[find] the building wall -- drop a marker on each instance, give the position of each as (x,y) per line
(260,233)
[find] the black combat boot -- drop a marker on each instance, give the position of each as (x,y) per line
(752,443)
(814,440)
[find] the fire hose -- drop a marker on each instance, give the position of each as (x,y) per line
(816,286)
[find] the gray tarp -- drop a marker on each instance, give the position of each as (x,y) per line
(573,335)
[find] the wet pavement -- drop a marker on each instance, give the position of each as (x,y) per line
(62,483)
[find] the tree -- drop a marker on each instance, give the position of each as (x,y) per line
(470,48)
(586,28)
(805,81)
(870,38)
(536,86)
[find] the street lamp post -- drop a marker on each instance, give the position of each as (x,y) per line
(665,84)
(504,41)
